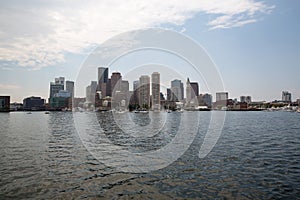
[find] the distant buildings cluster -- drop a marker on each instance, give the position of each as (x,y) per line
(113,93)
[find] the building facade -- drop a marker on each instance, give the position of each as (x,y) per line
(286,97)
(245,99)
(155,85)
(4,103)
(221,96)
(34,103)
(116,80)
(144,91)
(70,88)
(177,90)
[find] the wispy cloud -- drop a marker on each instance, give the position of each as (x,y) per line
(36,34)
(9,87)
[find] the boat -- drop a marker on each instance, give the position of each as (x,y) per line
(144,111)
(141,111)
(298,111)
(47,112)
(29,113)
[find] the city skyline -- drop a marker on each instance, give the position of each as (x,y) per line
(254,44)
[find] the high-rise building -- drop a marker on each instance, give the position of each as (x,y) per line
(242,99)
(88,93)
(286,97)
(245,99)
(177,90)
(116,80)
(70,88)
(56,86)
(102,75)
(135,95)
(144,91)
(221,96)
(93,90)
(103,81)
(195,91)
(192,90)
(169,94)
(108,88)
(124,86)
(162,97)
(60,80)
(207,99)
(155,77)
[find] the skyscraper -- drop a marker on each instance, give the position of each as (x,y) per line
(144,91)
(195,87)
(102,75)
(70,88)
(177,90)
(135,94)
(188,91)
(116,80)
(60,80)
(155,77)
(56,86)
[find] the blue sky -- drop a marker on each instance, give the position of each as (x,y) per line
(254,44)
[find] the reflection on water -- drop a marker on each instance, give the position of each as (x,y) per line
(257,156)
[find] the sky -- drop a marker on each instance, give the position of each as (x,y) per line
(254,44)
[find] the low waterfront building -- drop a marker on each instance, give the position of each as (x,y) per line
(58,103)
(16,106)
(33,103)
(4,103)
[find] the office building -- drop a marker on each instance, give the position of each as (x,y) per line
(103,86)
(134,99)
(4,103)
(195,87)
(56,86)
(155,85)
(144,91)
(88,93)
(286,97)
(116,80)
(207,100)
(162,97)
(70,88)
(169,94)
(60,80)
(102,75)
(192,90)
(34,103)
(245,99)
(221,96)
(177,90)
(124,86)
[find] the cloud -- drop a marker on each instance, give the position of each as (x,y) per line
(37,34)
(9,87)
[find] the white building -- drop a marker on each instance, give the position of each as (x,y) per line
(221,96)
